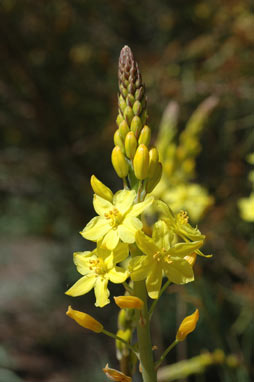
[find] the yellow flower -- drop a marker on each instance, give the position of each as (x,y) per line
(161,256)
(130,302)
(98,267)
(117,220)
(246,206)
(187,326)
(85,320)
(115,375)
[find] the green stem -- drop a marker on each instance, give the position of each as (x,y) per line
(144,337)
(169,348)
(167,283)
(128,288)
(109,334)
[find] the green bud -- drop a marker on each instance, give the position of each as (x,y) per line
(123,129)
(130,145)
(136,125)
(118,140)
(119,119)
(128,114)
(141,162)
(145,136)
(144,117)
(152,182)
(137,108)
(122,103)
(130,100)
(119,162)
(153,160)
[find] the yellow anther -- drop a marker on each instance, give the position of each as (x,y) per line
(182,217)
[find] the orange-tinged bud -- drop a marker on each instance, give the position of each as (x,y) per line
(123,129)
(153,162)
(119,162)
(115,375)
(136,125)
(191,258)
(141,162)
(85,320)
(187,326)
(152,183)
(145,136)
(130,302)
(130,144)
(118,140)
(100,189)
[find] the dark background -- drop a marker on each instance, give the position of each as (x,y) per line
(58,104)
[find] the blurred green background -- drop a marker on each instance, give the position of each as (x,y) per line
(58,104)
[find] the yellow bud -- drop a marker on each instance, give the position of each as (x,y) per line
(137,108)
(141,162)
(123,129)
(130,302)
(115,375)
(152,182)
(145,136)
(130,145)
(136,125)
(119,119)
(128,114)
(119,162)
(191,258)
(121,103)
(118,140)
(187,326)
(100,189)
(126,336)
(153,161)
(85,320)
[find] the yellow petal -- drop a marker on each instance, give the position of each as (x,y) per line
(153,281)
(161,235)
(96,229)
(120,252)
(187,326)
(138,208)
(184,249)
(111,239)
(101,205)
(179,271)
(101,292)
(117,275)
(146,244)
(82,261)
(129,302)
(126,234)
(139,267)
(123,200)
(82,286)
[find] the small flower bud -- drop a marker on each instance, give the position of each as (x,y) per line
(115,375)
(119,119)
(130,302)
(85,320)
(100,189)
(130,145)
(123,129)
(126,336)
(130,100)
(121,103)
(141,162)
(137,108)
(128,114)
(153,161)
(118,140)
(145,136)
(144,117)
(152,182)
(187,326)
(119,162)
(136,125)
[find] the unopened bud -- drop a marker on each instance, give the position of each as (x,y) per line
(130,145)
(187,326)
(141,162)
(130,302)
(153,162)
(130,100)
(118,140)
(145,136)
(123,129)
(121,103)
(137,108)
(126,336)
(119,119)
(115,375)
(144,117)
(100,189)
(152,182)
(85,320)
(136,125)
(119,162)
(128,114)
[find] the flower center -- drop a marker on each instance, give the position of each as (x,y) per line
(115,217)
(98,266)
(182,217)
(162,255)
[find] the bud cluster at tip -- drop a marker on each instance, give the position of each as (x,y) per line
(132,138)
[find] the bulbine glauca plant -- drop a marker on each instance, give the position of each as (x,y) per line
(144,259)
